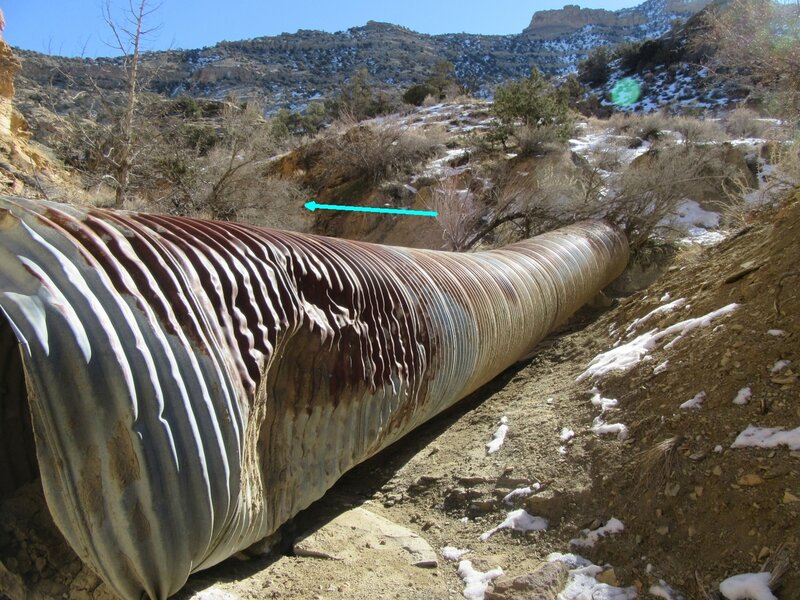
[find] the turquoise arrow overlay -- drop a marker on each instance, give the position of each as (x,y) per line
(312,206)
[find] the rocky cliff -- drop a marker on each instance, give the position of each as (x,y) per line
(9,65)
(552,24)
(289,70)
(25,167)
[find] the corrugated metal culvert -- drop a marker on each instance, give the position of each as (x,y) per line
(194,384)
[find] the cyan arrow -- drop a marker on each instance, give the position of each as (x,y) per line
(312,206)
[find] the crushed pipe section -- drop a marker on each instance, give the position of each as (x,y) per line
(195,384)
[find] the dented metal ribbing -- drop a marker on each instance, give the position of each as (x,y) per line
(194,384)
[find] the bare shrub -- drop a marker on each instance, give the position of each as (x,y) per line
(373,153)
(757,44)
(744,123)
(419,142)
(646,127)
(694,130)
(778,175)
(787,158)
(275,203)
(456,212)
(608,157)
(231,168)
(648,193)
(345,120)
(524,205)
(539,139)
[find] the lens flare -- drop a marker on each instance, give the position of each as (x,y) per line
(626,92)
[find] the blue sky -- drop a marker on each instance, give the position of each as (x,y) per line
(76,27)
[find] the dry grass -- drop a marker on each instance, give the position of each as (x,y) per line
(694,130)
(657,463)
(374,153)
(654,127)
(745,123)
(539,140)
(648,127)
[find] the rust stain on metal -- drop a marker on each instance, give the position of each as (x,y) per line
(195,384)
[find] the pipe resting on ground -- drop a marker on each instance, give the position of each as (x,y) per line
(192,385)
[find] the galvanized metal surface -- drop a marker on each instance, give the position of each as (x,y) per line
(194,384)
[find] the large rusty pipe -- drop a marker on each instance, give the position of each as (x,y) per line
(194,384)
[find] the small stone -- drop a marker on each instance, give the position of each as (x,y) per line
(789,379)
(608,577)
(425,481)
(545,581)
(698,490)
(672,489)
(778,471)
(472,481)
(481,507)
(789,497)
(765,552)
(751,479)
(717,470)
(663,530)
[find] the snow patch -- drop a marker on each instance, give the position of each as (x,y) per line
(600,427)
(780,366)
(453,554)
(626,356)
(589,537)
(696,402)
(582,583)
(690,214)
(661,310)
(214,594)
(522,492)
(743,396)
(662,590)
(767,437)
(566,434)
(776,332)
(747,586)
(604,403)
(518,520)
(476,582)
(499,437)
